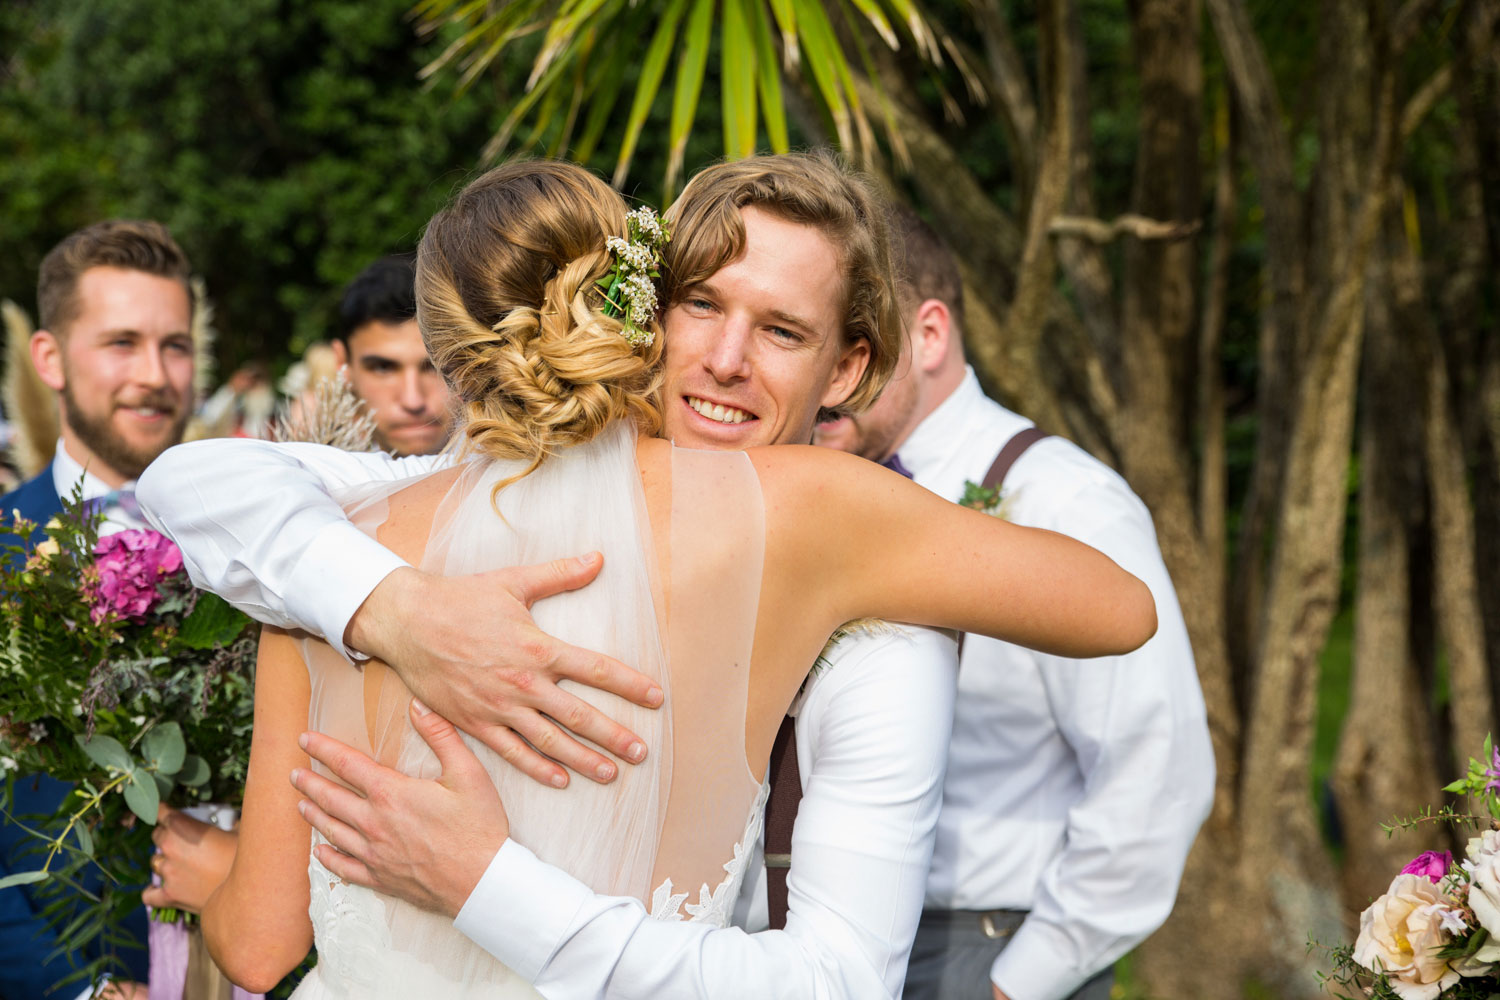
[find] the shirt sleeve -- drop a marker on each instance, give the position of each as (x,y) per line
(872,734)
(257,525)
(1138,727)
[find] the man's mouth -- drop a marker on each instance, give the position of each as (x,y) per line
(718,411)
(150,412)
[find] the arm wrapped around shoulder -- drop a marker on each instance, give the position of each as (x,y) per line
(878,545)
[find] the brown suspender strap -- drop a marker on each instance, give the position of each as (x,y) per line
(1014,449)
(786,780)
(781,815)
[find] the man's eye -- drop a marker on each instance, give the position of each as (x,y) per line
(782,333)
(180,347)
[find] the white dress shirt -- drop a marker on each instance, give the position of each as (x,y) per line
(1075,787)
(67,472)
(256,525)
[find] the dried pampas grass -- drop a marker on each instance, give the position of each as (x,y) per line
(30,406)
(332,415)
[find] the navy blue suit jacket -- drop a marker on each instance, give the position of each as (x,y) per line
(25,939)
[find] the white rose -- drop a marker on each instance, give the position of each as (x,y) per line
(1484,895)
(1401,933)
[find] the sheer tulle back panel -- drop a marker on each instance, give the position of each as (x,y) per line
(587,498)
(717,551)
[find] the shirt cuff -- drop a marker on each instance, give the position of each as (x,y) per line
(1039,964)
(334,576)
(523,937)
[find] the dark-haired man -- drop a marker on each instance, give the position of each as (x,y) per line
(387,364)
(1074,791)
(115,343)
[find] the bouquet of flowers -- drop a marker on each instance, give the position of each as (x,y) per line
(1436,930)
(121,679)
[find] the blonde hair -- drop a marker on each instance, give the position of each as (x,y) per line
(812,189)
(509,308)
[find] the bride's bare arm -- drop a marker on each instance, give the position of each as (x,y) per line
(864,541)
(256,922)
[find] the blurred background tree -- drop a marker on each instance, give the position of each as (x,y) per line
(1247,252)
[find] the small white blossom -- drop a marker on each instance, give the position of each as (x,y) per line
(7,764)
(38,732)
(1452,920)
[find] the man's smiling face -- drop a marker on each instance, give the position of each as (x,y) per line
(754,351)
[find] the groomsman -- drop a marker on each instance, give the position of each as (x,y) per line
(115,343)
(1074,789)
(386,362)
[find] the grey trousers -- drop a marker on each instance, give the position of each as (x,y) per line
(954,950)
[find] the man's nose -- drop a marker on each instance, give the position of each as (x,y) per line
(150,369)
(412,398)
(728,359)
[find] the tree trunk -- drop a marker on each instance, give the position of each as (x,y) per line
(1385,764)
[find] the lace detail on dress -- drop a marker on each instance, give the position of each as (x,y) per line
(715,906)
(350,930)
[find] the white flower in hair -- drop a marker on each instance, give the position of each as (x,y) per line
(630,288)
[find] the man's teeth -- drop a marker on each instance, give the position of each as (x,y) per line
(717,411)
(148,411)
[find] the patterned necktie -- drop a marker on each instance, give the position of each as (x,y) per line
(123,499)
(894,464)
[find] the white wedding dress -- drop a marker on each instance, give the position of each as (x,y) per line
(674,837)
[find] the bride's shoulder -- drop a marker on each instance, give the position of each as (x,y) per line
(796,470)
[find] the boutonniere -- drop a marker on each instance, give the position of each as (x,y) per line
(985,499)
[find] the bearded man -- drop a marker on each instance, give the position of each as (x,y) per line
(116,346)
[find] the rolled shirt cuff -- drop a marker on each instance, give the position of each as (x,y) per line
(523,937)
(334,576)
(1039,964)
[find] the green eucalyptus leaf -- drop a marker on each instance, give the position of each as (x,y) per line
(194,771)
(106,751)
(164,749)
(142,796)
(22,878)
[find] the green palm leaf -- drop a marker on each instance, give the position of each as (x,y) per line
(587,51)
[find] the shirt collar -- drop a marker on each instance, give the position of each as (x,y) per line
(67,470)
(946,430)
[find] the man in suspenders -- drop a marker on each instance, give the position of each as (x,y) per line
(1073,791)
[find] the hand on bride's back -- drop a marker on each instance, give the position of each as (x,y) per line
(468,647)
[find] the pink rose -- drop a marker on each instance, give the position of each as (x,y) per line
(1433,865)
(128,566)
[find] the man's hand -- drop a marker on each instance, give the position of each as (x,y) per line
(425,841)
(192,859)
(469,647)
(998,995)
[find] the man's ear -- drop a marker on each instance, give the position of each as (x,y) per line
(934,334)
(849,369)
(47,356)
(341,352)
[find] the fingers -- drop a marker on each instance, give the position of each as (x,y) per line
(532,583)
(607,674)
(331,797)
(345,867)
(555,742)
(338,833)
(520,755)
(579,717)
(458,762)
(348,764)
(158,898)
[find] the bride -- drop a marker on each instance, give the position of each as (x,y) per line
(725,573)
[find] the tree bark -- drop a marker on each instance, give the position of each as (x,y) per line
(1385,764)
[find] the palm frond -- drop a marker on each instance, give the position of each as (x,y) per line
(587,52)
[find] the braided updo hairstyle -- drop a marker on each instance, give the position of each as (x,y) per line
(510,311)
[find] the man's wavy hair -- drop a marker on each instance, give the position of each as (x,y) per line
(813,189)
(129,244)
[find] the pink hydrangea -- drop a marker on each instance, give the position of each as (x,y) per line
(1431,864)
(129,564)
